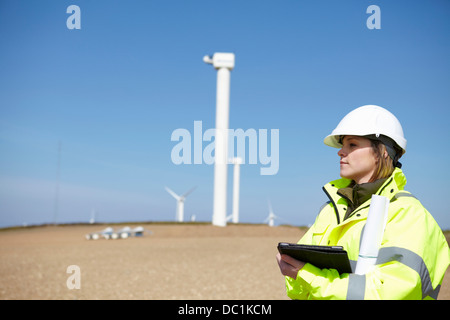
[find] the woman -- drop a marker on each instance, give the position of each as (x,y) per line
(414,253)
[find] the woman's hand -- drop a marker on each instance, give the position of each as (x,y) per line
(289,266)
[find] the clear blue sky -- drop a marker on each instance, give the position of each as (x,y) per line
(114,91)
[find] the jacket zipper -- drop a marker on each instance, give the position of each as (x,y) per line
(334,205)
(379,193)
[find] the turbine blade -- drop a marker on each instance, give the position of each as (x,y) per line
(189,192)
(270,207)
(173,194)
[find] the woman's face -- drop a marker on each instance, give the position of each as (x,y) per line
(358,160)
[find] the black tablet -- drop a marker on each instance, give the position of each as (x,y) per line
(323,257)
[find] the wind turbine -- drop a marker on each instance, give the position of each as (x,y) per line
(223,63)
(180,203)
(236,176)
(93,213)
(271,217)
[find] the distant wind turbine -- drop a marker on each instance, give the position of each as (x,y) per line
(92,220)
(236,176)
(234,216)
(180,203)
(271,217)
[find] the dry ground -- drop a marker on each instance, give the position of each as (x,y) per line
(178,261)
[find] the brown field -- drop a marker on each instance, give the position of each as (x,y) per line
(177,261)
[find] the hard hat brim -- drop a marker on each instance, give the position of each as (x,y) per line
(332,140)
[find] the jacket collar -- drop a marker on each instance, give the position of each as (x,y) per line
(357,194)
(397,179)
(389,188)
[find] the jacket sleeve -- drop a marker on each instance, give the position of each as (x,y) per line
(315,283)
(411,264)
(413,257)
(312,282)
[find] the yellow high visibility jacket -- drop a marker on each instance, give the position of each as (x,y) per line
(412,259)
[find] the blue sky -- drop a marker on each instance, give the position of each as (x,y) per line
(113,92)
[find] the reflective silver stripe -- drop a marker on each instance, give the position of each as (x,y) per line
(357,283)
(435,292)
(413,261)
(324,205)
(353,264)
(403,194)
(356,286)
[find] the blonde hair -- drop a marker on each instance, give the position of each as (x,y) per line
(385,165)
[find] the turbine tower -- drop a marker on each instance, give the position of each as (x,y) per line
(223,63)
(236,177)
(180,203)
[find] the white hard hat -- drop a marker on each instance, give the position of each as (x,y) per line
(368,120)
